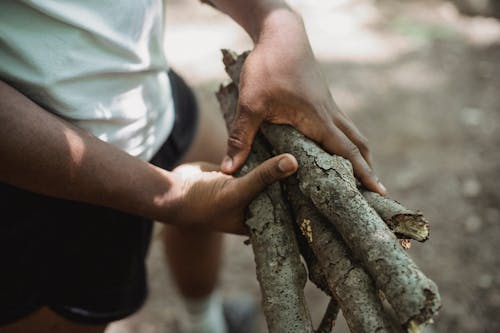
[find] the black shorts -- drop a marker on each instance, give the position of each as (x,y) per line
(85,262)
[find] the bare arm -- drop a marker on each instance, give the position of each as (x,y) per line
(42,153)
(251,14)
(282,83)
(45,154)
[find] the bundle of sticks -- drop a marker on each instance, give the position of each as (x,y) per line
(352,241)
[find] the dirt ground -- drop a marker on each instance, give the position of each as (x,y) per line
(422,83)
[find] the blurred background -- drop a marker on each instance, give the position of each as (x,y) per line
(421,79)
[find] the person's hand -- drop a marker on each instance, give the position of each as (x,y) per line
(281,83)
(205,198)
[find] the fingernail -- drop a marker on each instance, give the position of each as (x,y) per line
(382,186)
(227,163)
(286,165)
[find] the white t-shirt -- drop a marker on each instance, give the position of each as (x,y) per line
(96,63)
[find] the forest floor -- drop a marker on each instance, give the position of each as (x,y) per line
(422,82)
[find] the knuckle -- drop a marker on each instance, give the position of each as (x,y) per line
(363,145)
(336,118)
(352,151)
(326,133)
(369,172)
(252,105)
(247,107)
(224,190)
(266,176)
(365,172)
(237,141)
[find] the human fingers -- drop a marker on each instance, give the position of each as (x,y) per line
(242,131)
(241,191)
(269,171)
(345,124)
(336,142)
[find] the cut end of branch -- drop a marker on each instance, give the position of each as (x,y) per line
(429,309)
(413,226)
(405,223)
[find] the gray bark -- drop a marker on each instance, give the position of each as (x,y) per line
(280,272)
(352,287)
(314,269)
(328,181)
(403,222)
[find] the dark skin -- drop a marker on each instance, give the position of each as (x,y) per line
(74,165)
(280,83)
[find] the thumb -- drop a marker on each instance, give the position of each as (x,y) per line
(265,174)
(242,131)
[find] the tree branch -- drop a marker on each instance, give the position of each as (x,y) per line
(403,222)
(352,287)
(328,181)
(280,272)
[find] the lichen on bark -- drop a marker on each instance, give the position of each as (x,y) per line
(328,181)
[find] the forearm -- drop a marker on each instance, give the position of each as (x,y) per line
(259,18)
(42,153)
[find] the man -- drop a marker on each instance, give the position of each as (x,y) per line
(85,103)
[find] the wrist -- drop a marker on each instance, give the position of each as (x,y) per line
(256,17)
(166,204)
(272,19)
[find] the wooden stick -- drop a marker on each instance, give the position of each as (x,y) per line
(328,181)
(280,272)
(403,222)
(352,287)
